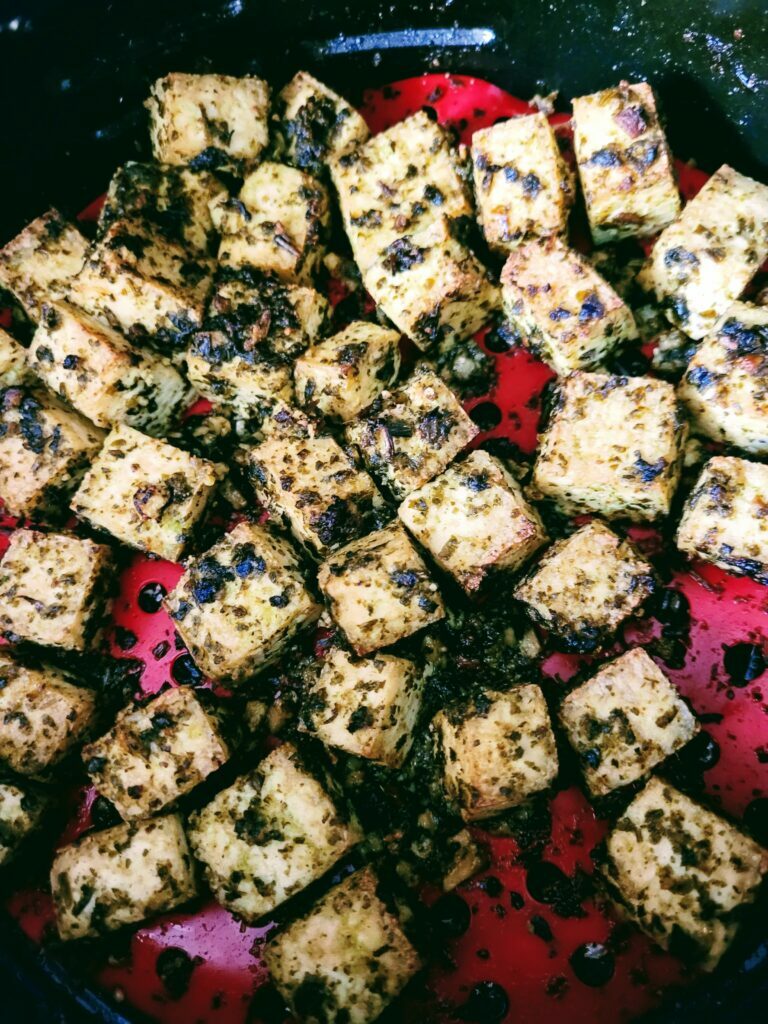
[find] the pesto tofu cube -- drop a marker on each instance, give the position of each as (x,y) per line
(174,199)
(368,707)
(625,166)
(208,121)
(401,180)
(725,517)
(315,487)
(39,262)
(21,812)
(585,586)
(432,287)
(341,376)
(409,435)
(523,186)
(45,449)
(379,590)
(725,385)
(269,835)
(44,716)
(316,124)
(346,959)
(121,876)
(562,308)
(613,446)
(144,285)
(241,603)
(682,873)
(255,327)
(100,374)
(13,362)
(277,224)
(156,752)
(703,262)
(473,519)
(497,752)
(625,721)
(145,492)
(53,589)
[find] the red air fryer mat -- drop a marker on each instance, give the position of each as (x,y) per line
(519,959)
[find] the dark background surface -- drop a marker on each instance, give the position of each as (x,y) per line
(72,80)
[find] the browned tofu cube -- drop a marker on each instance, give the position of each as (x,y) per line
(624,162)
(44,717)
(409,435)
(380,590)
(38,263)
(613,446)
(45,449)
(523,186)
(145,492)
(53,588)
(241,603)
(346,959)
(497,752)
(724,519)
(208,120)
(474,519)
(22,808)
(366,706)
(625,721)
(563,310)
(585,586)
(155,752)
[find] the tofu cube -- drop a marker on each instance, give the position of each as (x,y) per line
(21,812)
(341,376)
(613,446)
(144,285)
(368,707)
(241,603)
(44,716)
(155,752)
(100,374)
(585,586)
(13,362)
(681,872)
(316,124)
(38,263)
(145,492)
(45,449)
(523,186)
(473,519)
(564,311)
(121,876)
(703,262)
(269,835)
(432,287)
(409,435)
(316,488)
(208,121)
(725,386)
(625,721)
(346,959)
(380,590)
(174,199)
(725,517)
(625,166)
(255,327)
(401,180)
(53,589)
(497,752)
(277,224)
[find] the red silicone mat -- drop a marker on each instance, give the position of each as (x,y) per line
(519,959)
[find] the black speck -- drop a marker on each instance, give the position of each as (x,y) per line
(450,915)
(541,928)
(486,415)
(593,964)
(185,671)
(151,597)
(486,1002)
(591,309)
(744,662)
(125,639)
(174,968)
